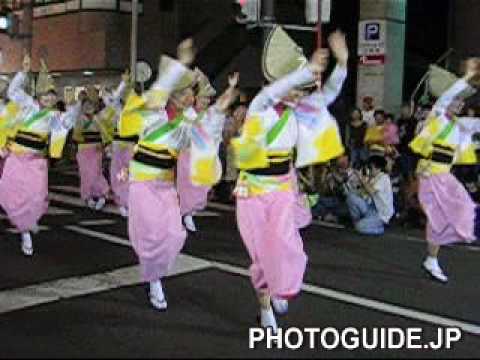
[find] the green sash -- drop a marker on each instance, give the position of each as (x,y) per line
(276,130)
(164,129)
(37,117)
(447,130)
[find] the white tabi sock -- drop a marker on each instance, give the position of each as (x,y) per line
(157,297)
(189,223)
(100,204)
(123,211)
(27,244)
(280,306)
(267,320)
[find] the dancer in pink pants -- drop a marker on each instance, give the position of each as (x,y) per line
(280,119)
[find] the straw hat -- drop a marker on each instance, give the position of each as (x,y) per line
(188,79)
(281,55)
(205,88)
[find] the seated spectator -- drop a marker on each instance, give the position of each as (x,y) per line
(390,132)
(336,180)
(372,208)
(368,111)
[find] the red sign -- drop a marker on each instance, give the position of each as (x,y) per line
(372,60)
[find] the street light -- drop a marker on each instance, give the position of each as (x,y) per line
(250,9)
(134,41)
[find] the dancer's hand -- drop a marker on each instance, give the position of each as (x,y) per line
(43,66)
(233,80)
(186,52)
(229,97)
(472,71)
(27,63)
(338,44)
(319,62)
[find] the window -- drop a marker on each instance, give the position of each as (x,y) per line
(56,7)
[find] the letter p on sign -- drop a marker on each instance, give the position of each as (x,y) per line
(372,32)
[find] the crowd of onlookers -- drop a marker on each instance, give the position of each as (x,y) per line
(374,183)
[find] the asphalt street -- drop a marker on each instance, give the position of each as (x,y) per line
(80,295)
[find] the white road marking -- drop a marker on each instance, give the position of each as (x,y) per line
(77,202)
(40,229)
(72,189)
(206,213)
(17,299)
(53,210)
(70,200)
(99,222)
(371,304)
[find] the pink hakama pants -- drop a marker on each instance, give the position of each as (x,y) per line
(92,182)
(121,157)
(303,214)
(192,197)
(24,190)
(450,211)
(270,233)
(155,227)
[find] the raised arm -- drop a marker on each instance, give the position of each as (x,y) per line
(450,95)
(334,85)
(470,79)
(16,91)
(332,88)
(469,125)
(68,119)
(273,94)
(114,99)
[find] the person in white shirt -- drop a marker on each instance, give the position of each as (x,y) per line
(368,111)
(373,209)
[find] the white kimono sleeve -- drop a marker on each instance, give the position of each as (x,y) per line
(206,135)
(319,138)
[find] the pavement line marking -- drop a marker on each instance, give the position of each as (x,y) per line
(99,235)
(368,303)
(48,292)
(371,304)
(40,229)
(98,222)
(53,210)
(70,200)
(109,209)
(67,188)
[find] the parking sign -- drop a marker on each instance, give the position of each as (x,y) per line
(372,37)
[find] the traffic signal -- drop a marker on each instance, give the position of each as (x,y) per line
(8,23)
(250,10)
(311,11)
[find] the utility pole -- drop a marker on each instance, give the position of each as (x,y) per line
(134,41)
(319,25)
(268,11)
(26,28)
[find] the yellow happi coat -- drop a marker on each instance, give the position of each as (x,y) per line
(157,133)
(48,126)
(451,133)
(308,128)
